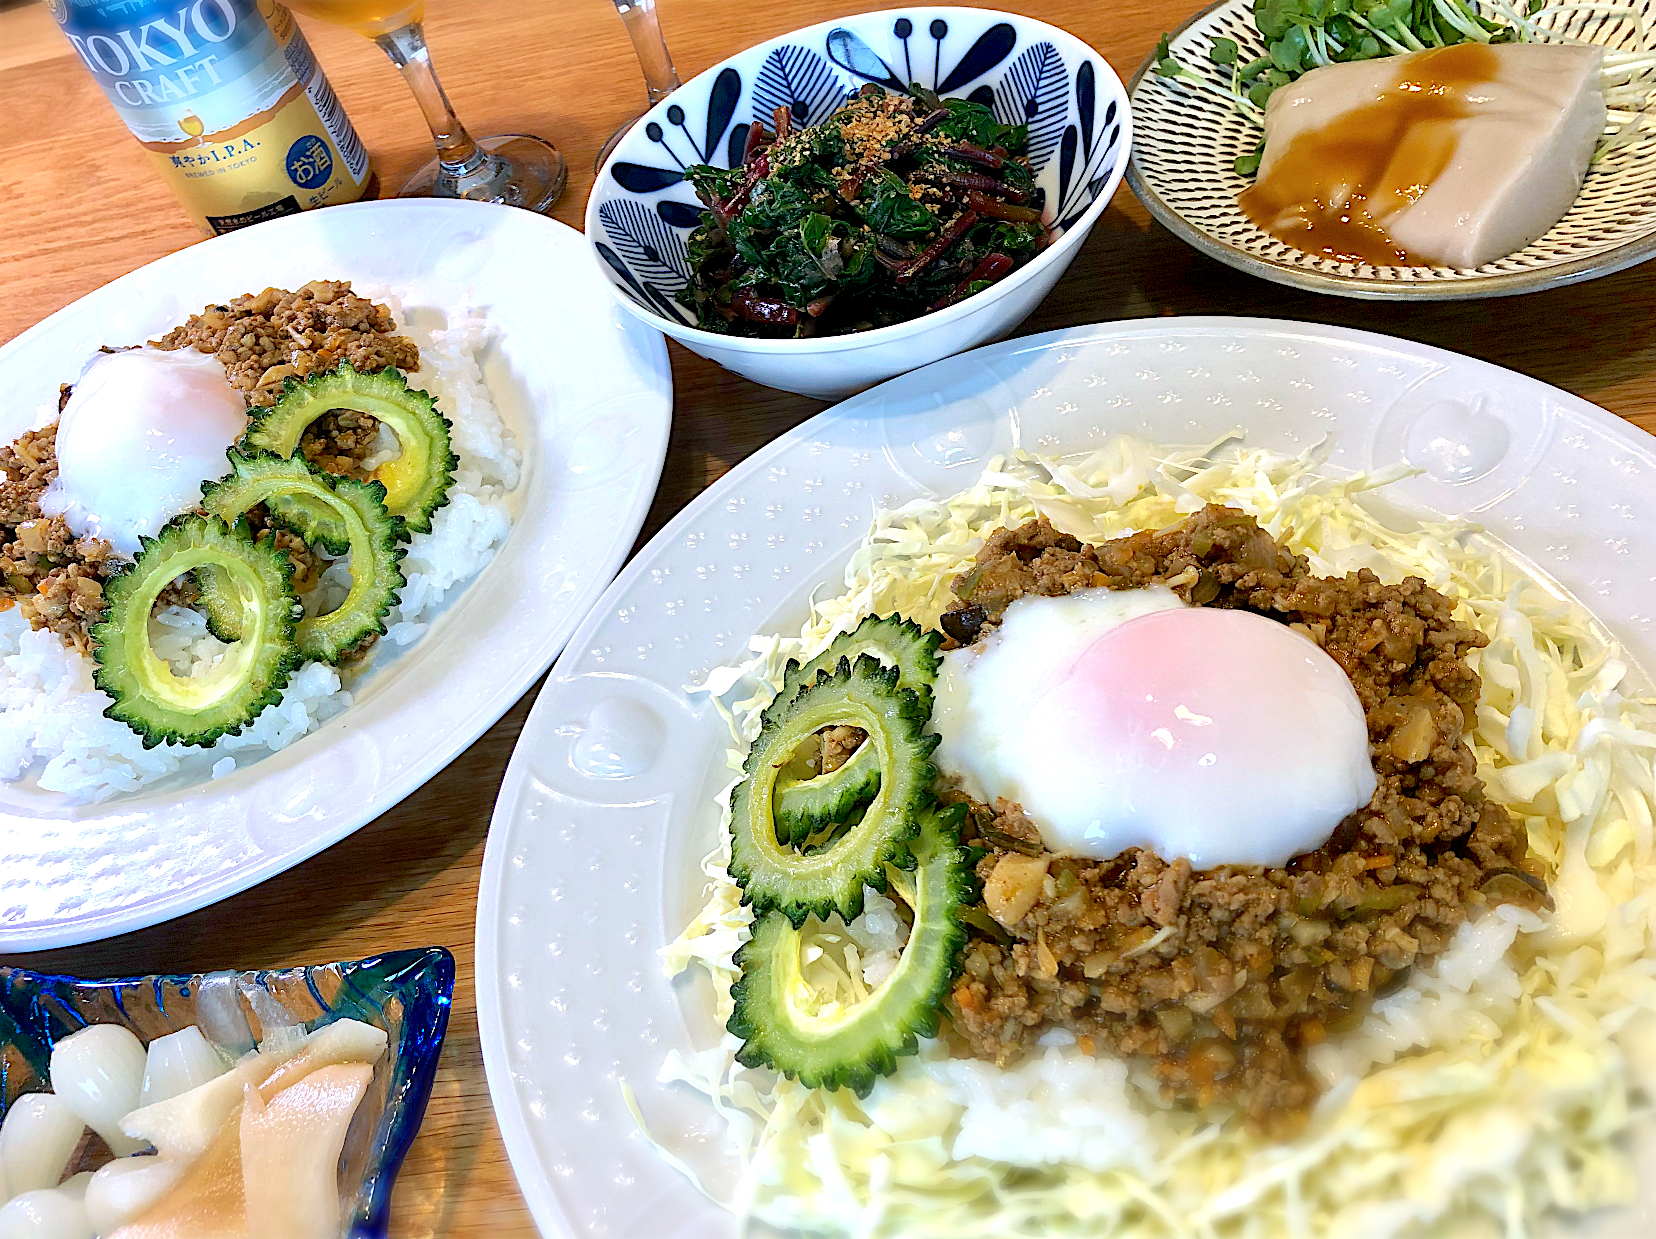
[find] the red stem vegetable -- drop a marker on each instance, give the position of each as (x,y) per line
(762,309)
(724,212)
(758,137)
(985,205)
(980,182)
(932,252)
(977,155)
(991,268)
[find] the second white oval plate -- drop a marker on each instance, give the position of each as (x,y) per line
(589,396)
(606,809)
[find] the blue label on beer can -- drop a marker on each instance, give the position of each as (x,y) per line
(178,69)
(309,164)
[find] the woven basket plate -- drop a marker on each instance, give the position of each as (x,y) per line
(1186,140)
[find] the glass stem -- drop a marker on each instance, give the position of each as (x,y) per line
(460,156)
(660,77)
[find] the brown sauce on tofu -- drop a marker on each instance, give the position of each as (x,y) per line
(1332,190)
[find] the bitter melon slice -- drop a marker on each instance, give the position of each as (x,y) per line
(356,509)
(895,641)
(805,806)
(773,875)
(851,1047)
(416,482)
(147,696)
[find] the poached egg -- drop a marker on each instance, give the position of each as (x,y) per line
(142,431)
(1128,718)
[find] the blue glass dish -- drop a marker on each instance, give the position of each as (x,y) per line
(407,993)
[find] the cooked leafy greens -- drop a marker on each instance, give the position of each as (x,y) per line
(896,205)
(974,123)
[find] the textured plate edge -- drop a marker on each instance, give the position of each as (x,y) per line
(527,1171)
(112,924)
(1508,284)
(548,1214)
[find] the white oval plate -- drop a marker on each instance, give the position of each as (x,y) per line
(589,395)
(1186,139)
(587,874)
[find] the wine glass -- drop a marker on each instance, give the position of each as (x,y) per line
(660,77)
(516,169)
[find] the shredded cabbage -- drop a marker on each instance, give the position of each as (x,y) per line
(1497,1085)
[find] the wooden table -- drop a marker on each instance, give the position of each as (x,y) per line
(79,206)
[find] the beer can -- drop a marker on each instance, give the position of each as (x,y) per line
(228,100)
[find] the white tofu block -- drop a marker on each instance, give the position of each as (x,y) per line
(1518,153)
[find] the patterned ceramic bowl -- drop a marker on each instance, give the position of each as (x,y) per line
(642,210)
(406,993)
(1188,138)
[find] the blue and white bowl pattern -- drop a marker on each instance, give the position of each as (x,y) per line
(1071,102)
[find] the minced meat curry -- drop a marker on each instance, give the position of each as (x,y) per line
(262,338)
(1223,978)
(56,580)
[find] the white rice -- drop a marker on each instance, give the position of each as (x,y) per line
(1057,1106)
(879,934)
(1062,1106)
(52,722)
